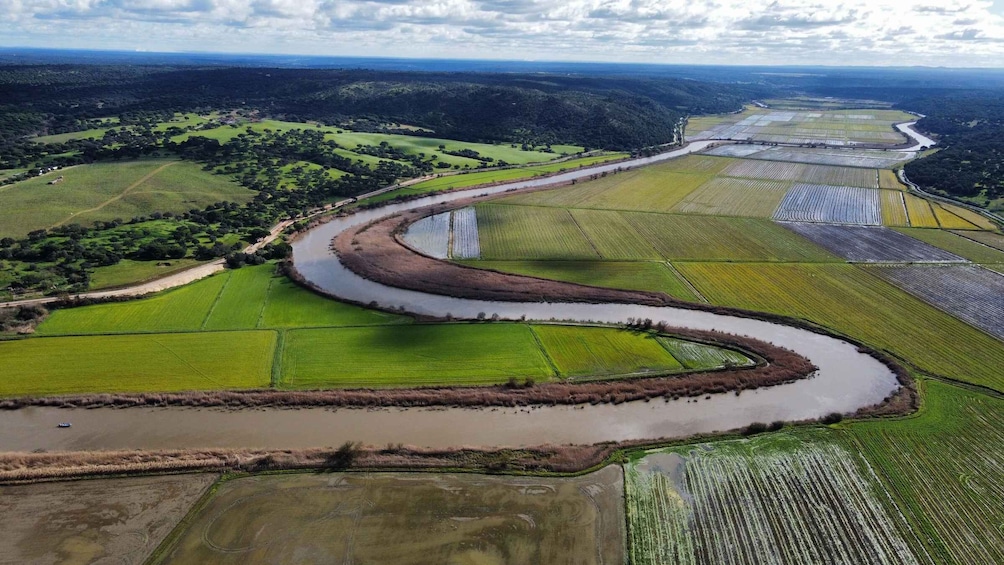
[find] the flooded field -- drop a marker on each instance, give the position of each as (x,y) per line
(409,518)
(110,521)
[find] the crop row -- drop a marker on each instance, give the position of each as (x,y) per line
(830,204)
(964,243)
(430,235)
(650,189)
(943,469)
(725,196)
(971,293)
(919,210)
(466,244)
(696,356)
(533,232)
(894,209)
(759,501)
(849,299)
(874,244)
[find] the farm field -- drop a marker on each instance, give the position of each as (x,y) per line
(106,191)
(650,189)
(959,244)
(94,133)
(450,354)
(798,172)
(865,158)
(850,300)
(539,233)
(464,180)
(248,298)
(949,219)
(894,209)
(726,196)
(830,127)
(888,180)
(872,244)
(137,363)
(633,275)
(579,352)
(759,501)
(698,356)
(430,235)
(465,244)
(522,232)
(921,214)
(978,221)
(994,240)
(830,204)
(413,519)
(107,521)
(466,354)
(971,293)
(942,469)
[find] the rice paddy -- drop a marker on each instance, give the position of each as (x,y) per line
(863,158)
(959,244)
(971,293)
(994,240)
(942,470)
(840,128)
(651,189)
(587,351)
(413,519)
(635,275)
(726,196)
(920,212)
(430,235)
(465,244)
(872,244)
(163,362)
(830,204)
(759,501)
(542,233)
(850,300)
(894,209)
(108,521)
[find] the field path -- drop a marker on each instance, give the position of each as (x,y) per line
(118,197)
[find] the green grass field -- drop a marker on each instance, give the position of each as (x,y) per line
(637,275)
(137,363)
(850,300)
(248,298)
(546,233)
(458,354)
(96,133)
(106,191)
(128,272)
(522,232)
(650,189)
(578,351)
(943,469)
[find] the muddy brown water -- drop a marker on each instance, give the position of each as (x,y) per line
(846,380)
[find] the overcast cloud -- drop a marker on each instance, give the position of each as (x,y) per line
(853,32)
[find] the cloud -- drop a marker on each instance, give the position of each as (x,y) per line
(953,32)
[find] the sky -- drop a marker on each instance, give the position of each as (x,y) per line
(952,33)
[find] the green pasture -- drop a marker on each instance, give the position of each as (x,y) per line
(105,191)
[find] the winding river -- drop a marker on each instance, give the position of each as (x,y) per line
(846,380)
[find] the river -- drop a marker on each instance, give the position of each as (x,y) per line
(846,379)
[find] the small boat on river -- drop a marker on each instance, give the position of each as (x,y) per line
(64,425)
